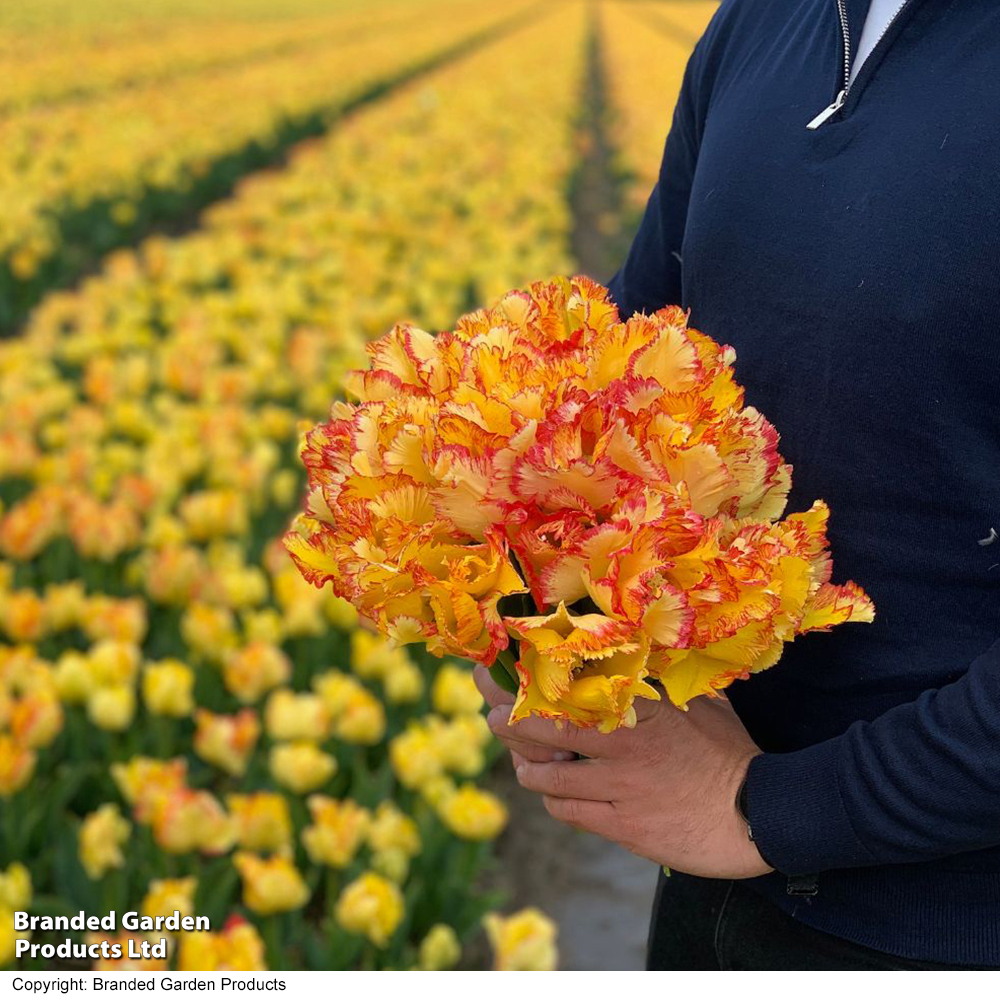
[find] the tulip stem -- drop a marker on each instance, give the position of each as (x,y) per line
(332,888)
(271,933)
(504,671)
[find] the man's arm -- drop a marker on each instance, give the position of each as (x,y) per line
(920,782)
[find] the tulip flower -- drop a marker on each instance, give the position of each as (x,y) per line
(337,831)
(372,906)
(227,741)
(112,707)
(301,766)
(454,692)
(188,820)
(440,949)
(166,895)
(391,829)
(17,763)
(167,688)
(102,835)
(473,814)
(270,885)
(263,822)
(522,942)
(254,670)
(289,715)
(236,948)
(15,887)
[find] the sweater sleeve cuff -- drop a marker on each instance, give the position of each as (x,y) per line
(797,814)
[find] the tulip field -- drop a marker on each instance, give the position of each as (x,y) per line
(209,210)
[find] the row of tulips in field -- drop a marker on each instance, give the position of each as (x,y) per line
(85,175)
(45,59)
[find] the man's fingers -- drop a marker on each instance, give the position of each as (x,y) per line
(536,753)
(588,742)
(579,779)
(646,708)
(595,817)
(493,694)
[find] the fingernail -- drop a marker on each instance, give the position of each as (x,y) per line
(519,771)
(563,755)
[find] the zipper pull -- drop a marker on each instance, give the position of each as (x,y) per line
(829,112)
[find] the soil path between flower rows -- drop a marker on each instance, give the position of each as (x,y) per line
(599,894)
(601,226)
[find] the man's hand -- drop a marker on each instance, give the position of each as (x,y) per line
(666,790)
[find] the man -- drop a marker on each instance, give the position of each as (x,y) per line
(832,211)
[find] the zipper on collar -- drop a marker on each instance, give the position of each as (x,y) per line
(845,28)
(830,111)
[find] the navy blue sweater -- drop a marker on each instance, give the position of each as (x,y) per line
(856,270)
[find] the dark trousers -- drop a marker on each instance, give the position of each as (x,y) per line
(701,923)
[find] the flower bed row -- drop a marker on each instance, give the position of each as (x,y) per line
(86,176)
(160,44)
(646,47)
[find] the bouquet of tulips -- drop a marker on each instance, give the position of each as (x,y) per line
(581,502)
